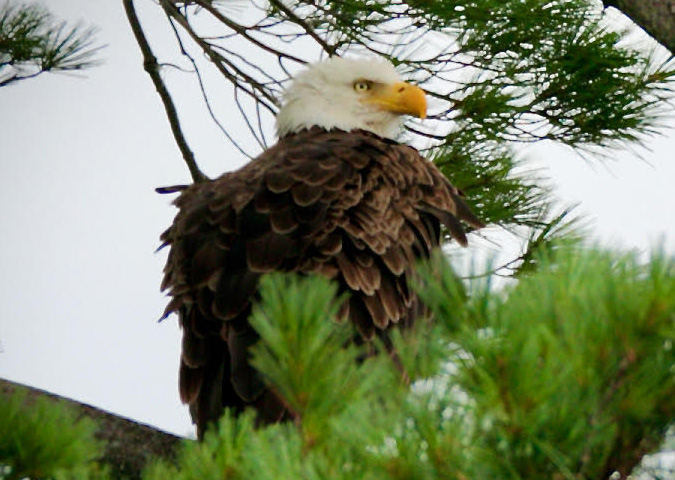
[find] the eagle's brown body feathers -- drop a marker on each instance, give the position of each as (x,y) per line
(350,206)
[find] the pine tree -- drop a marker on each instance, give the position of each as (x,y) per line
(43,440)
(555,378)
(32,42)
(567,373)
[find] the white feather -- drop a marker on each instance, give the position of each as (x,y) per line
(324,96)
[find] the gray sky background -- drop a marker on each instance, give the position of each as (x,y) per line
(80,156)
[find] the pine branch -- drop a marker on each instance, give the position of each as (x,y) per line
(128,445)
(33,43)
(568,375)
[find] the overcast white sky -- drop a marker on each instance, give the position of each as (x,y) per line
(79,159)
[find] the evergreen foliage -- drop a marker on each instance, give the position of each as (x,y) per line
(566,375)
(40,439)
(568,372)
(32,42)
(522,70)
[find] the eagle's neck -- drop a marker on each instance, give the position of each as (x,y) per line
(311,109)
(314,130)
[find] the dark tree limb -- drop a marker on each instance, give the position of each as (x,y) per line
(129,445)
(152,67)
(656,17)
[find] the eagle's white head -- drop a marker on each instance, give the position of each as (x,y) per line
(345,93)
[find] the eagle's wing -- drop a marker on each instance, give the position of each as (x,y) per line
(349,206)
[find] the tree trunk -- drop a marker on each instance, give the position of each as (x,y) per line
(656,17)
(128,445)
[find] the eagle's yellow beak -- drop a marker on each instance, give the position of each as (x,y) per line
(400,97)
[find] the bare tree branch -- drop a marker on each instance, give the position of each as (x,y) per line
(656,17)
(202,87)
(243,31)
(329,49)
(237,75)
(151,66)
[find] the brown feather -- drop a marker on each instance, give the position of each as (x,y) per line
(265,253)
(389,298)
(394,259)
(278,181)
(350,272)
(350,206)
(234,294)
(376,311)
(205,262)
(305,194)
(190,379)
(283,221)
(331,245)
(360,317)
(195,351)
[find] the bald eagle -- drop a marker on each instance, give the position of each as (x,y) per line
(337,196)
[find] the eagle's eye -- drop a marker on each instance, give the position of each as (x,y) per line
(362,86)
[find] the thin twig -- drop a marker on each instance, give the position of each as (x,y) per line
(220,62)
(329,49)
(243,31)
(16,77)
(205,97)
